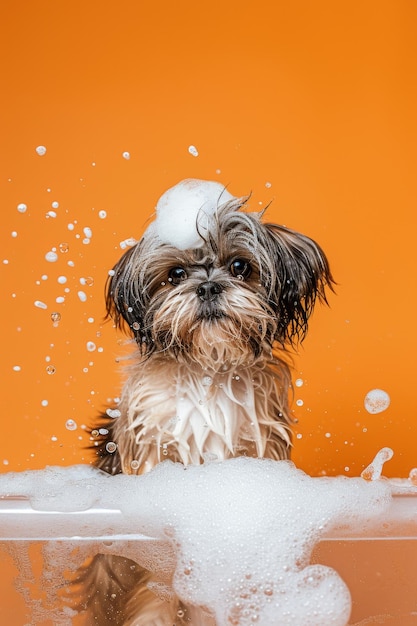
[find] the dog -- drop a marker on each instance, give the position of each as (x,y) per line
(214,297)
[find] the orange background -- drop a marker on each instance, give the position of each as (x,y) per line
(309,104)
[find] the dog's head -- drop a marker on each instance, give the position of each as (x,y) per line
(220,290)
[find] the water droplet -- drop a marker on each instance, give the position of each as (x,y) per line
(55,205)
(180,613)
(113,413)
(82,296)
(16,368)
(62,280)
(71,425)
(40,150)
(111,447)
(91,346)
(207,381)
(299,382)
(51,214)
(102,214)
(63,247)
(50,369)
(134,464)
(88,280)
(56,317)
(88,232)
(268,185)
(22,207)
(51,256)
(95,433)
(135,325)
(126,155)
(299,402)
(40,305)
(193,150)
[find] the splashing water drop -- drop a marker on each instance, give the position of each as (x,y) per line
(40,305)
(113,413)
(51,256)
(374,469)
(88,280)
(82,296)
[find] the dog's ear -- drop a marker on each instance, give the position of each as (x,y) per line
(302,275)
(124,295)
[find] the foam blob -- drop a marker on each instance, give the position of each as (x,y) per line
(374,469)
(235,537)
(185,211)
(376,401)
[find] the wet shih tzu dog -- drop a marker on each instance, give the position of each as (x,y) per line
(213,296)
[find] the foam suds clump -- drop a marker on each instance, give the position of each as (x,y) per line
(243,531)
(184,211)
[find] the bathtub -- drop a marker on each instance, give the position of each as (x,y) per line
(379,564)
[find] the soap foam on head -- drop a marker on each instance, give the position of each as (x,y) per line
(242,531)
(183,213)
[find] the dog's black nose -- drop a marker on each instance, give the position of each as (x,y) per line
(208,291)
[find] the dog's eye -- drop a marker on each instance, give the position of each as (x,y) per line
(240,268)
(177,275)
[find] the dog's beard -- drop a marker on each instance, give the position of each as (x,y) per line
(234,329)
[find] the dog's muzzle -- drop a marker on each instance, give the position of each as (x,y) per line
(209,291)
